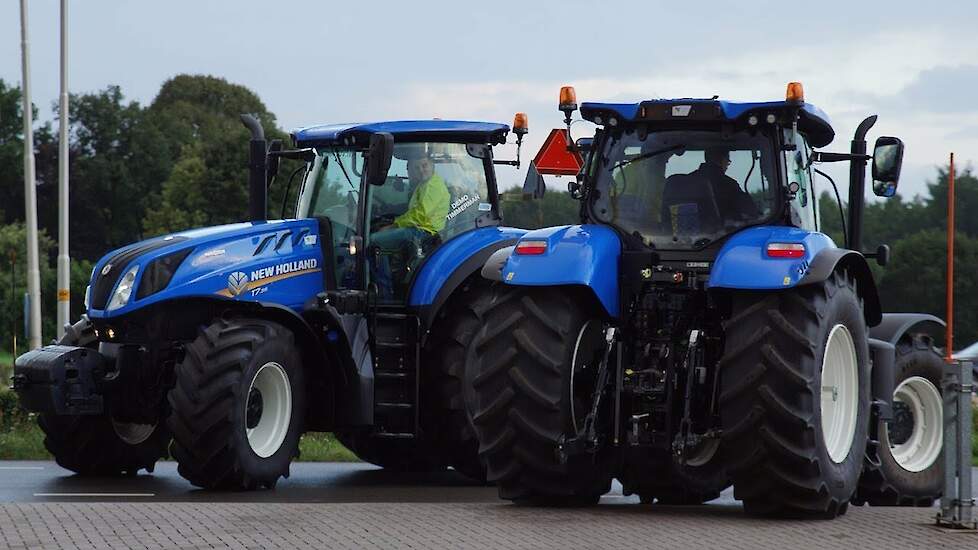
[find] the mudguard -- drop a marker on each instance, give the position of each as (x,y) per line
(584,255)
(454,262)
(883,377)
(893,326)
(743,263)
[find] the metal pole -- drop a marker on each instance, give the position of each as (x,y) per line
(64,261)
(30,198)
(949,333)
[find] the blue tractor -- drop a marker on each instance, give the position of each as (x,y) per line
(353,317)
(697,330)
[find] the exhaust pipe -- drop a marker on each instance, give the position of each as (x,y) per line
(257,169)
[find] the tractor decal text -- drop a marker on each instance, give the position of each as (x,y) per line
(461,205)
(239,283)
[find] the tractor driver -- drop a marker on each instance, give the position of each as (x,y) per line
(733,201)
(424,218)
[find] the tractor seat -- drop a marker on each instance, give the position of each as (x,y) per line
(689,205)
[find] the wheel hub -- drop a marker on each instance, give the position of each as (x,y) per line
(133,433)
(916,434)
(268,409)
(840,393)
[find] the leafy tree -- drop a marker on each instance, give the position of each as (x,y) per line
(555,208)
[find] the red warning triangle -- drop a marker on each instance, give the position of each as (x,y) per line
(554,157)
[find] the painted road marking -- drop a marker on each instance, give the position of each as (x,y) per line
(94,494)
(21,467)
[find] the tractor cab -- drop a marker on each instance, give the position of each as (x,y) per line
(439,183)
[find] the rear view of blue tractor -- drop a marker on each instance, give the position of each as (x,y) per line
(232,341)
(698,330)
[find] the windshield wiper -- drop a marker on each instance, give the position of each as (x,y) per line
(650,154)
(342,169)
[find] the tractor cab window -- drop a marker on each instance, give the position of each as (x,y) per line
(683,189)
(799,179)
(331,193)
(433,192)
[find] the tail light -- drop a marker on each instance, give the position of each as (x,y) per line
(786,250)
(531,248)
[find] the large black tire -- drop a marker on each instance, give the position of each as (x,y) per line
(886,482)
(214,403)
(400,455)
(656,476)
(447,352)
(520,369)
(771,398)
(92,445)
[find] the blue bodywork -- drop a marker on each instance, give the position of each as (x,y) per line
(743,261)
(576,255)
(415,130)
(812,121)
(437,269)
(287,270)
(589,255)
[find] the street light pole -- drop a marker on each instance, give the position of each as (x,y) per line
(30,192)
(64,261)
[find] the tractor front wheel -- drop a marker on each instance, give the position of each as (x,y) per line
(238,405)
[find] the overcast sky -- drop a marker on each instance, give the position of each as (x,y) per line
(913,63)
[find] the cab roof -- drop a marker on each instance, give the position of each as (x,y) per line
(460,131)
(812,121)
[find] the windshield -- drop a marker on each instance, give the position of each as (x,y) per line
(681,189)
(332,190)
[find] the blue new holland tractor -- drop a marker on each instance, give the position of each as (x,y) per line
(697,330)
(352,318)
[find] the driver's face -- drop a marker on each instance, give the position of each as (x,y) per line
(724,162)
(419,171)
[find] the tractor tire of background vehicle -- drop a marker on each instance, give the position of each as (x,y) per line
(238,405)
(522,401)
(399,455)
(655,476)
(794,400)
(96,445)
(452,336)
(910,470)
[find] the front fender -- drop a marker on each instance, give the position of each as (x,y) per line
(585,255)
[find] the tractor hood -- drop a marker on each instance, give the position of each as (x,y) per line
(271,261)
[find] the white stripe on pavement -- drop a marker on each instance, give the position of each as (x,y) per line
(21,467)
(94,494)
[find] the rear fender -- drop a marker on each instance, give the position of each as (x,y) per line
(894,326)
(576,255)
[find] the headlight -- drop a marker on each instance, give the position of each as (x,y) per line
(123,290)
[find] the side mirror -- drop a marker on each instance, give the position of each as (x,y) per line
(584,145)
(533,187)
(273,161)
(379,156)
(887,161)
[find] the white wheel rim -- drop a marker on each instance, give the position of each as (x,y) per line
(703,453)
(131,433)
(926,440)
(840,393)
(271,386)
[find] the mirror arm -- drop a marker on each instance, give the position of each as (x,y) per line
(307,155)
(820,156)
(515,163)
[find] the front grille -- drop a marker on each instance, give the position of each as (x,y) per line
(102,284)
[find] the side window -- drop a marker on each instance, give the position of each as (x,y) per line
(796,164)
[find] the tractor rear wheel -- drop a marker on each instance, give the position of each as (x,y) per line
(910,471)
(449,418)
(530,370)
(238,405)
(794,398)
(91,445)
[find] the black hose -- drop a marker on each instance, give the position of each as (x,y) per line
(838,199)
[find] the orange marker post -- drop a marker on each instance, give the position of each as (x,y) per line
(949,338)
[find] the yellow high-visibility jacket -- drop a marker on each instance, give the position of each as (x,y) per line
(428,206)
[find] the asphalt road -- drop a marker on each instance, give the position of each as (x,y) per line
(334,505)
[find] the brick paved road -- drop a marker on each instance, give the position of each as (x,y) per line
(352,506)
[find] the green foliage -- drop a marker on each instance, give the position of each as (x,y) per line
(323,447)
(555,208)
